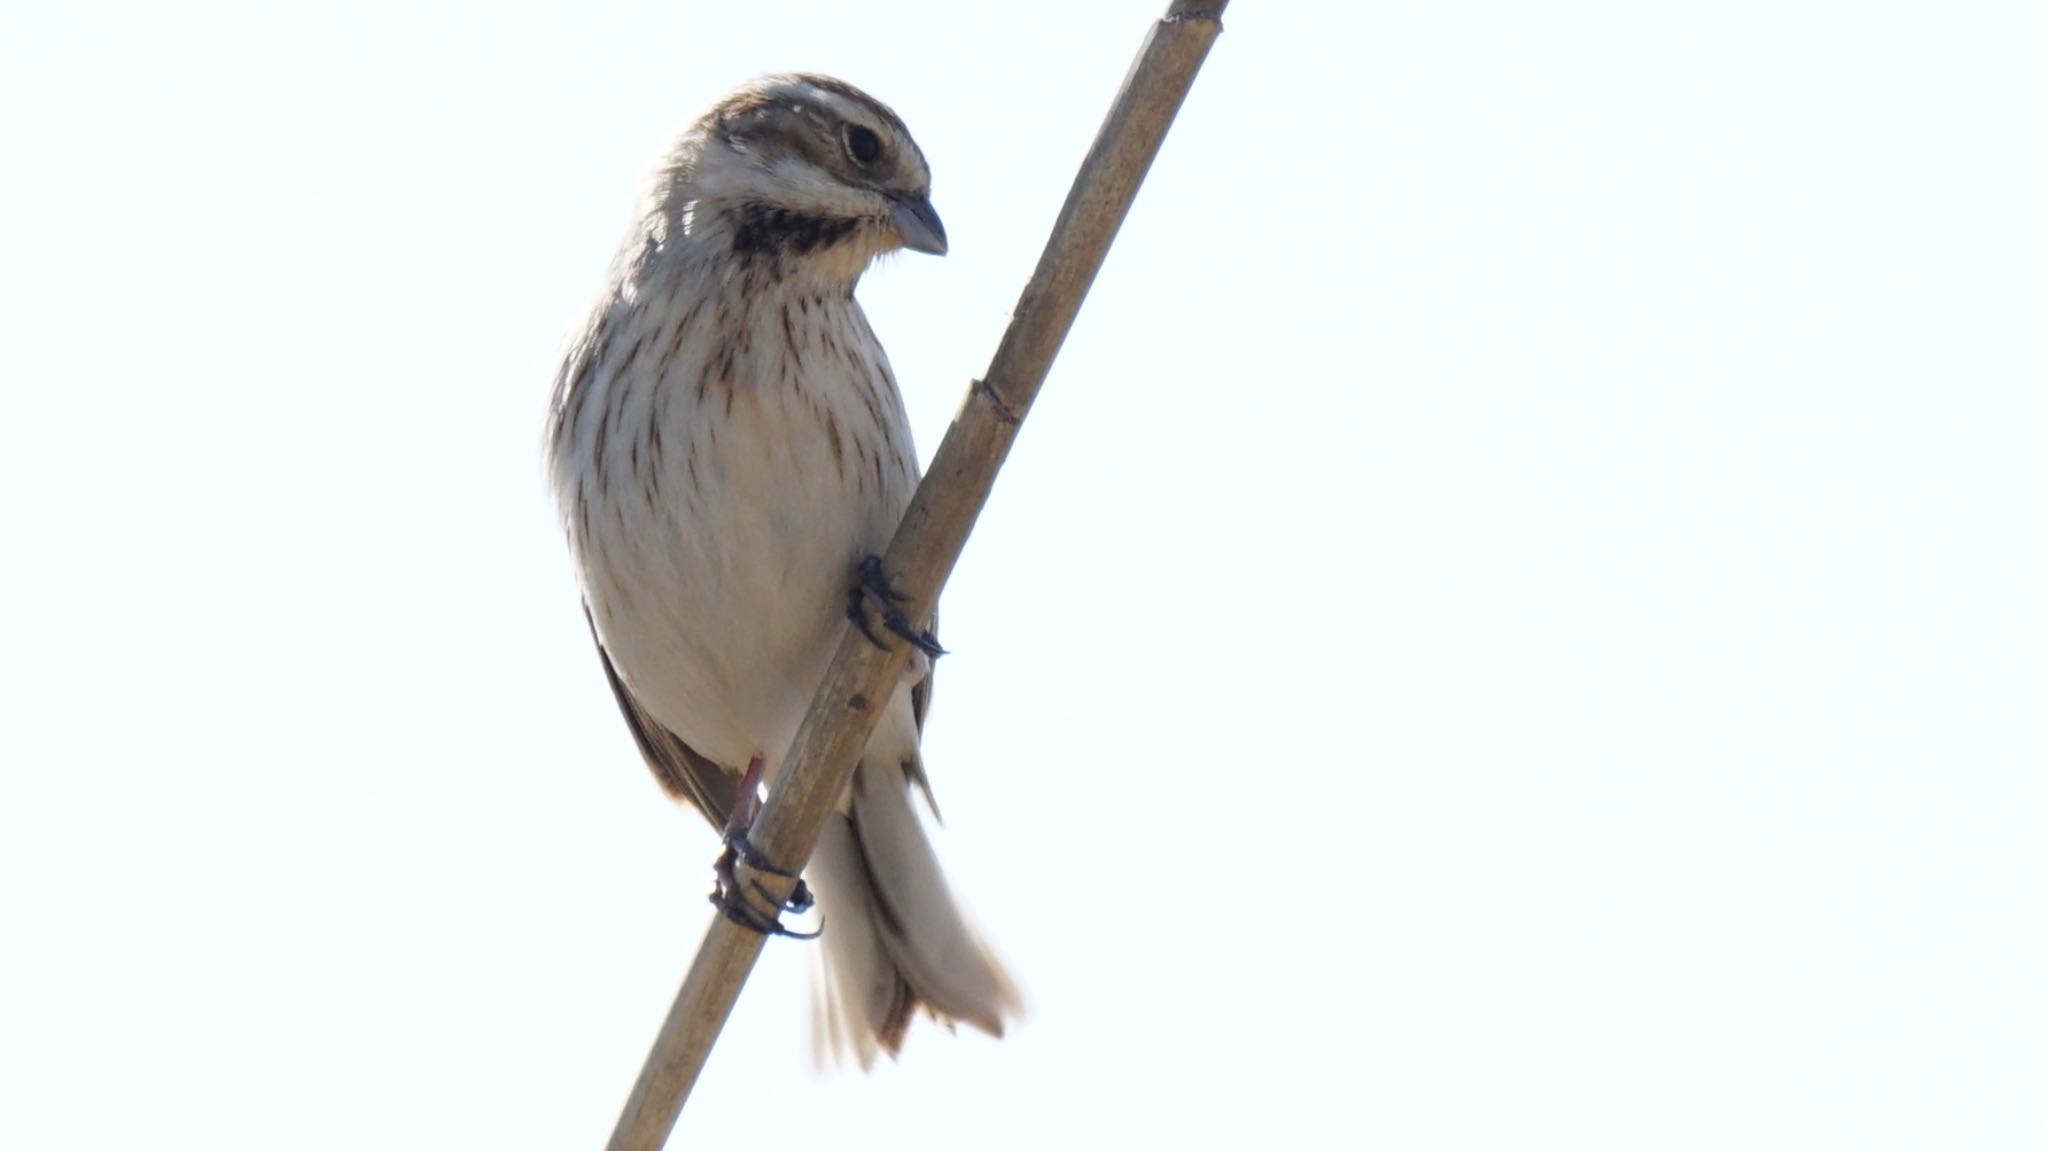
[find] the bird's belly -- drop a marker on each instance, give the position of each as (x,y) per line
(733,588)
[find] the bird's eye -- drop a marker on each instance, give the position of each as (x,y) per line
(862,144)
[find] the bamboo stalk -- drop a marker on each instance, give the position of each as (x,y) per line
(926,546)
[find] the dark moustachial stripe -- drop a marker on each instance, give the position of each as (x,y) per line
(761,229)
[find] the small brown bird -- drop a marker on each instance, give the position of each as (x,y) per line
(727,446)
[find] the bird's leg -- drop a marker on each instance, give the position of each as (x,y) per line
(727,897)
(873,586)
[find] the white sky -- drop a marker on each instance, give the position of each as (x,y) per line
(1517,620)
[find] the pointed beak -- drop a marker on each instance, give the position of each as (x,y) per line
(918,225)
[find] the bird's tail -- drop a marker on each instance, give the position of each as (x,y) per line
(894,940)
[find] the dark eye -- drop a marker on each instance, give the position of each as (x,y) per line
(863,145)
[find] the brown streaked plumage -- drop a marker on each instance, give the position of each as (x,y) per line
(727,443)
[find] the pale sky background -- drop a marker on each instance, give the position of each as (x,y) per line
(1518,620)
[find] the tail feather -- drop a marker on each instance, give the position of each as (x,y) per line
(894,940)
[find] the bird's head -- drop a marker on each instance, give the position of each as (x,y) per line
(805,171)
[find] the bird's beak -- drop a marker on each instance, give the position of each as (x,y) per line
(918,225)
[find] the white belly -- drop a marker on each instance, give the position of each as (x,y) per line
(721,589)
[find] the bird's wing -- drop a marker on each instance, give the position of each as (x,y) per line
(681,771)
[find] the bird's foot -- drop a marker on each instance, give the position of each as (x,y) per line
(729,897)
(872,591)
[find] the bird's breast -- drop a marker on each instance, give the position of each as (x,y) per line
(765,450)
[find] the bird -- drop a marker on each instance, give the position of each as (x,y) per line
(728,452)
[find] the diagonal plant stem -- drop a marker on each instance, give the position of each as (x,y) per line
(926,546)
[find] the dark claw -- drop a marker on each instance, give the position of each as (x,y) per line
(727,897)
(858,613)
(734,905)
(923,641)
(741,912)
(741,847)
(874,581)
(799,901)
